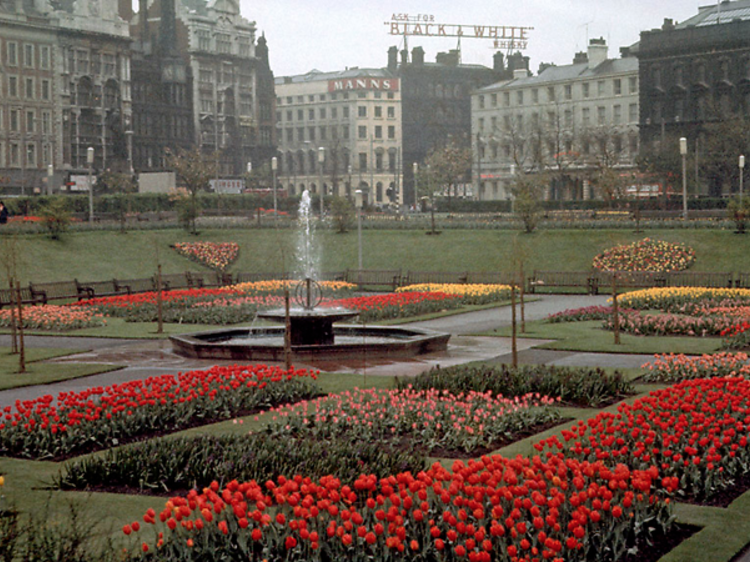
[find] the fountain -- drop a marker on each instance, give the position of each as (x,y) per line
(309,327)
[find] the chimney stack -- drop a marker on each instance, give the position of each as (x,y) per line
(597,52)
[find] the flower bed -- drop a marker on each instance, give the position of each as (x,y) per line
(646,255)
(637,323)
(683,299)
(672,368)
(489,509)
(398,305)
(277,287)
(694,433)
(736,336)
(175,464)
(470,293)
(588,387)
(101,417)
(431,419)
(51,317)
(217,256)
(582,314)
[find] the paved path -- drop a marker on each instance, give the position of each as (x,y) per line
(144,358)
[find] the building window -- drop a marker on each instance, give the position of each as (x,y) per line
(204,39)
(300,134)
(322,133)
(362,132)
(15,154)
(28,55)
(110,67)
(493,100)
(30,121)
(46,122)
(618,87)
(362,111)
(391,112)
(223,43)
(11,52)
(617,114)
(378,132)
(362,161)
(31,155)
(345,110)
(13,86)
(481,102)
(568,118)
(601,115)
(29,89)
(378,111)
(391,132)
(551,94)
(586,116)
(633,113)
(311,133)
(334,113)
(506,99)
(586,89)
(14,121)
(568,91)
(300,115)
(322,113)
(535,95)
(519,97)
(44,58)
(600,88)
(311,114)
(633,84)
(46,90)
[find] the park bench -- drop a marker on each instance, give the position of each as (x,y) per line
(563,279)
(174,281)
(56,290)
(628,280)
(422,277)
(28,296)
(252,277)
(108,288)
(700,279)
(493,277)
(198,280)
(742,280)
(374,278)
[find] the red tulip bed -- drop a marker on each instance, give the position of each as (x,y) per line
(399,305)
(102,417)
(587,495)
(217,256)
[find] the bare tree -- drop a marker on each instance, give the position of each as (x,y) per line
(194,170)
(449,164)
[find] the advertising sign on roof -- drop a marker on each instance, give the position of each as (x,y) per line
(363,83)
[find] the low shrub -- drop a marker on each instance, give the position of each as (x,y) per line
(174,464)
(582,386)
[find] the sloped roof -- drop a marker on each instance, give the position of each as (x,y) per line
(315,75)
(714,14)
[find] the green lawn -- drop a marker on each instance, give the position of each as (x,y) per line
(591,337)
(87,256)
(38,372)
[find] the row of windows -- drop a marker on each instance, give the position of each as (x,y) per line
(84,61)
(27,121)
(587,90)
(222,43)
(312,98)
(25,54)
(25,155)
(566,118)
(26,87)
(322,113)
(611,144)
(307,162)
(309,133)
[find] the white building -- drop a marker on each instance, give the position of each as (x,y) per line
(348,121)
(570,121)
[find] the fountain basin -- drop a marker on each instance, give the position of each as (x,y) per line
(267,343)
(313,326)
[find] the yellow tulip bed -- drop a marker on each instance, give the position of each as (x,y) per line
(470,293)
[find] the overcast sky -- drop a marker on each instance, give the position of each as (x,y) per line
(331,35)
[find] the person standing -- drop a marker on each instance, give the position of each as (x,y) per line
(3,213)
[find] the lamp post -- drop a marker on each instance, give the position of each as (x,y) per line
(50,178)
(274,167)
(349,190)
(415,171)
(683,153)
(90,162)
(358,204)
(321,161)
(742,169)
(129,137)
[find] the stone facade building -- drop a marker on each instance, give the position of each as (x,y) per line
(344,129)
(568,121)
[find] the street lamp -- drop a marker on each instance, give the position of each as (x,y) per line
(274,166)
(415,171)
(321,161)
(742,169)
(90,162)
(349,187)
(683,152)
(358,204)
(50,178)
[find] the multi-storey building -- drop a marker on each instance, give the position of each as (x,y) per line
(232,91)
(436,101)
(65,86)
(695,73)
(569,121)
(341,129)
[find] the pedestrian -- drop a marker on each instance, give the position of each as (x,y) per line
(3,213)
